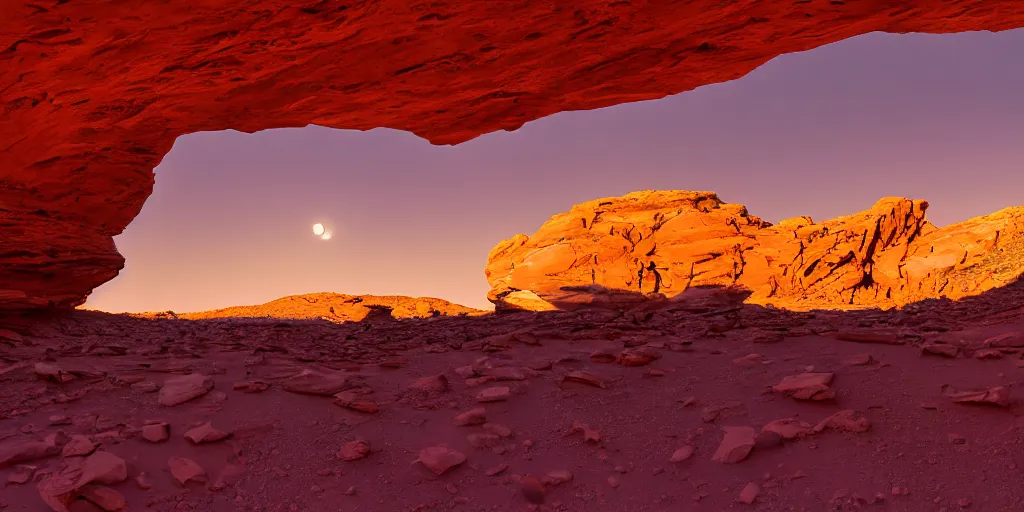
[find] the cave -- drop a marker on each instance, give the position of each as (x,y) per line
(92,103)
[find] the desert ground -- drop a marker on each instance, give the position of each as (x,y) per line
(685,397)
(696,403)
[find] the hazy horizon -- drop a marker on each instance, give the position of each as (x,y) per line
(822,133)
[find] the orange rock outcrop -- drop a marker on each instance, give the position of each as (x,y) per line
(95,93)
(668,242)
(334,307)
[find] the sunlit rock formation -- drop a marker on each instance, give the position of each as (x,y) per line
(334,307)
(667,242)
(94,93)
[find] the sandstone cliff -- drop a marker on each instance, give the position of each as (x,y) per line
(668,242)
(94,93)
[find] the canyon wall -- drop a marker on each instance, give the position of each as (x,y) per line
(94,93)
(668,242)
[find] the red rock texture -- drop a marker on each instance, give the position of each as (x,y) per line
(94,93)
(670,242)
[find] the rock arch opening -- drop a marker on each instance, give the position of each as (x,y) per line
(92,105)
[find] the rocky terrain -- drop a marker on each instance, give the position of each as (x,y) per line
(666,242)
(92,102)
(333,307)
(701,403)
(670,379)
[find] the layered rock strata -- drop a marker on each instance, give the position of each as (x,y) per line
(669,242)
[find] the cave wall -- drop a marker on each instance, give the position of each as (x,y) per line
(95,92)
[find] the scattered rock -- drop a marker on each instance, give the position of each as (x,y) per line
(78,446)
(736,445)
(558,477)
(1006,340)
(354,450)
(178,390)
(749,360)
(682,454)
(749,493)
(156,432)
(846,420)
(587,378)
(143,482)
(998,395)
(59,420)
(479,440)
(433,385)
(439,459)
(186,470)
(466,372)
(637,356)
(104,497)
(940,349)
(807,386)
(60,488)
(713,413)
(498,430)
(532,489)
(988,354)
(870,337)
(477,416)
(205,433)
(104,468)
(23,450)
(589,435)
(350,400)
(21,474)
(227,476)
(789,428)
(495,394)
(320,383)
(767,439)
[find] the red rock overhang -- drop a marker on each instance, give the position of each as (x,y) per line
(94,92)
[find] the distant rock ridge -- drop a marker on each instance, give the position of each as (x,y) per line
(667,242)
(334,307)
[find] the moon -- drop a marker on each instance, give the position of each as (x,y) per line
(318,229)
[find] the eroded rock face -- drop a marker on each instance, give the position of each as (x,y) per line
(664,243)
(91,103)
(45,262)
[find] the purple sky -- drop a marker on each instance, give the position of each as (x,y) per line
(823,133)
